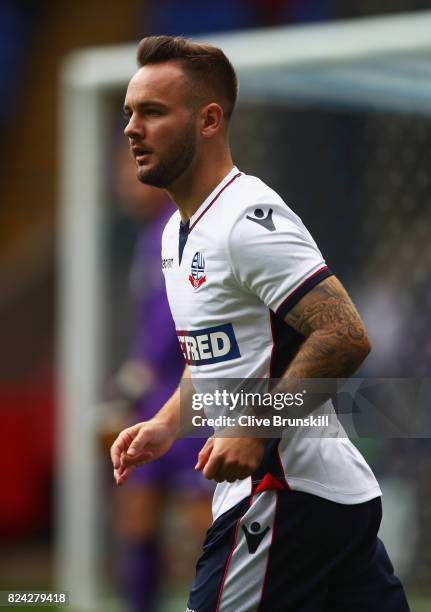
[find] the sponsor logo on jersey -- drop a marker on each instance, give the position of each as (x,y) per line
(197,275)
(261,219)
(254,536)
(210,345)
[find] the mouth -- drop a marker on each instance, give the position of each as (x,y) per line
(140,154)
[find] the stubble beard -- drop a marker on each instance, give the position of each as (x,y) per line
(176,161)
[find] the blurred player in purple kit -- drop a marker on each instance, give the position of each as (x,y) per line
(144,382)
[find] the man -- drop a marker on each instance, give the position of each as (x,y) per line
(295,520)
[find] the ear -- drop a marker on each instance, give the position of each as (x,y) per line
(211,119)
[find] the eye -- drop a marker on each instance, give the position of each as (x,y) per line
(154,112)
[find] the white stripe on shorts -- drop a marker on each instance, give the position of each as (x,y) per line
(245,576)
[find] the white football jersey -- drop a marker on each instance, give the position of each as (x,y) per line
(232,273)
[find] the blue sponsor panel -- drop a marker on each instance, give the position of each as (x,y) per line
(210,345)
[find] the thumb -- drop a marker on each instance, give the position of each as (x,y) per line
(139,443)
(204,454)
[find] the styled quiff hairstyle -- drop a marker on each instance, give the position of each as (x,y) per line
(208,67)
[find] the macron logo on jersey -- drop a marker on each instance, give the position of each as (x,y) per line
(210,345)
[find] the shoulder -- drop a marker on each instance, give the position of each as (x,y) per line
(251,207)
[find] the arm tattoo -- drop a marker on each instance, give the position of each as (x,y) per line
(336,340)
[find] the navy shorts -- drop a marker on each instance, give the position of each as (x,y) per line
(289,551)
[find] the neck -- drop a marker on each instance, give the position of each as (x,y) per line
(198,181)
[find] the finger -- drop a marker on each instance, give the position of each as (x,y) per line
(117,476)
(116,450)
(118,472)
(124,472)
(122,475)
(138,445)
(204,454)
(145,457)
(123,460)
(213,468)
(120,479)
(120,445)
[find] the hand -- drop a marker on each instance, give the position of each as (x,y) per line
(138,445)
(230,458)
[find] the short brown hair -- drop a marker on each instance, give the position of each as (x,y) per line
(204,63)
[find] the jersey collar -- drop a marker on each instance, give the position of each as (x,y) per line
(213,196)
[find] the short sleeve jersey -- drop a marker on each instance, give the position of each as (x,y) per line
(232,273)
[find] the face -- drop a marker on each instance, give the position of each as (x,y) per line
(142,202)
(161,123)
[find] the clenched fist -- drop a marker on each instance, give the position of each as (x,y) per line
(230,458)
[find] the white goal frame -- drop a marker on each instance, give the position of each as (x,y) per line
(88,77)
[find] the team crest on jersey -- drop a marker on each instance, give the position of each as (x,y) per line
(197,275)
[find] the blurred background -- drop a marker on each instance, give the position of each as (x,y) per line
(353,166)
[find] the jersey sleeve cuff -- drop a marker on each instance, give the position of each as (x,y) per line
(306,286)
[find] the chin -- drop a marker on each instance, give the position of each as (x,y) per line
(143,172)
(149,177)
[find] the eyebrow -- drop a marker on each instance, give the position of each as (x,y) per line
(144,105)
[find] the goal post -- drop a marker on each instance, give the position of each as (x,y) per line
(375,63)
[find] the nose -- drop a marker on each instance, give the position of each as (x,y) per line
(134,128)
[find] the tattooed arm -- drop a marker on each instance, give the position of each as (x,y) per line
(336,341)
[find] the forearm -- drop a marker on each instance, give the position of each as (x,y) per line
(321,356)
(170,413)
(325,354)
(336,341)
